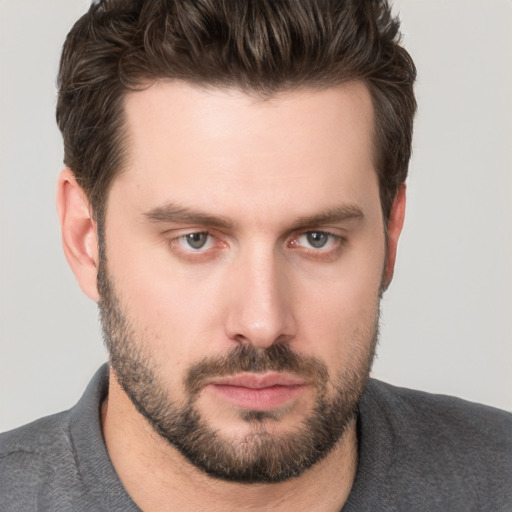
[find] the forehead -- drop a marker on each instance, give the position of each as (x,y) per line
(180,112)
(224,147)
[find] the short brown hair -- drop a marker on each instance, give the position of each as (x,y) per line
(258,46)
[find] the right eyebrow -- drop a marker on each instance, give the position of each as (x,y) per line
(172,213)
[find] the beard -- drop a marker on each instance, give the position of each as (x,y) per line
(260,456)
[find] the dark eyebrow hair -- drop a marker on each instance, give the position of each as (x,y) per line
(332,215)
(174,213)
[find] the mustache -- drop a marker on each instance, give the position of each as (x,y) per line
(278,357)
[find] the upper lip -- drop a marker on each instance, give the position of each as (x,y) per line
(258,381)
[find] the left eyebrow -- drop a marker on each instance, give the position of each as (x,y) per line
(334,215)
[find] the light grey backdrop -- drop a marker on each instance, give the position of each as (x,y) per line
(446,319)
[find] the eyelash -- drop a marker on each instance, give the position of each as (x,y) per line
(331,253)
(179,244)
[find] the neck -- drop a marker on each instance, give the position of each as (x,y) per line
(158,478)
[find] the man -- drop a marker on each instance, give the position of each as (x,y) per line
(233,198)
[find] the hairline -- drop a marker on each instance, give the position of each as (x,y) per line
(99,211)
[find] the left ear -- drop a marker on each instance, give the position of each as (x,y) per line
(395,224)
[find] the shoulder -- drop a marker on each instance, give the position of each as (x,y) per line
(42,464)
(417,446)
(440,420)
(32,456)
(35,439)
(440,413)
(34,435)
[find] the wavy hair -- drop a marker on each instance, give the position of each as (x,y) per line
(259,46)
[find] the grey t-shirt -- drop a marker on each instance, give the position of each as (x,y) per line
(417,452)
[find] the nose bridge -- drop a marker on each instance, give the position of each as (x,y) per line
(259,312)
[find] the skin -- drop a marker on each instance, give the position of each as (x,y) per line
(266,168)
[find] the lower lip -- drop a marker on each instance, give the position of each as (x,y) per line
(261,399)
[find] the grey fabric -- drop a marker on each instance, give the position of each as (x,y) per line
(417,452)
(424,452)
(60,463)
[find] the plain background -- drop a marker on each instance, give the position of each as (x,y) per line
(446,324)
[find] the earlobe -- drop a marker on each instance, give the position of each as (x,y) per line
(79,232)
(395,225)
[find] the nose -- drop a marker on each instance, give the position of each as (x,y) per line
(259,311)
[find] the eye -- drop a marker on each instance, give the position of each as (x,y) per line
(196,241)
(317,240)
(196,246)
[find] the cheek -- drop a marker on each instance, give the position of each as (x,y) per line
(338,319)
(172,310)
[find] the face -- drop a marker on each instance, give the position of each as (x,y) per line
(243,256)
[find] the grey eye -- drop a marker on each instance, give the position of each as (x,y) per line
(196,240)
(317,239)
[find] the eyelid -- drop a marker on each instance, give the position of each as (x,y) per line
(330,234)
(184,241)
(184,233)
(177,244)
(326,254)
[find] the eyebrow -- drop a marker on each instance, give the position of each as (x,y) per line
(172,213)
(178,214)
(334,215)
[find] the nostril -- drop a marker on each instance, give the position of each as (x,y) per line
(262,341)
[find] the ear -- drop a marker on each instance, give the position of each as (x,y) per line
(79,232)
(395,224)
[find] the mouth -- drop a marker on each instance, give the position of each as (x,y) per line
(258,392)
